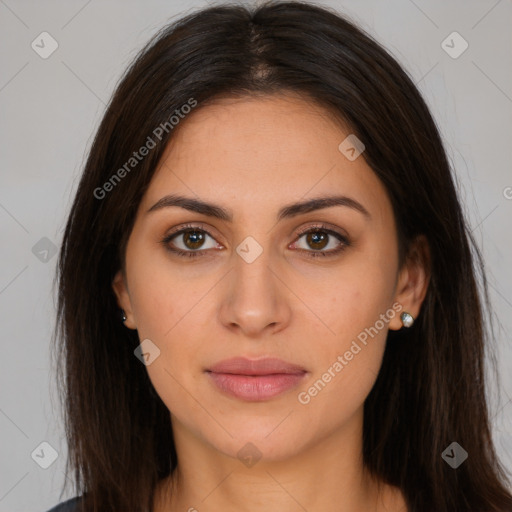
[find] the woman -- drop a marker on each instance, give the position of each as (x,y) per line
(267,290)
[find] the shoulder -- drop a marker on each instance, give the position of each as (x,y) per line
(66,506)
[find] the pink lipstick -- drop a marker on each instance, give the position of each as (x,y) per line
(255,380)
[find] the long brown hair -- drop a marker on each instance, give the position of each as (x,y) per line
(430,391)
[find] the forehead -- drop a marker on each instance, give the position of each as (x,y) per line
(265,152)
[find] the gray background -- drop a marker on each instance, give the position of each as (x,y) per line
(51,107)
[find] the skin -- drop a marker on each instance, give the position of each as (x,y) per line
(253,156)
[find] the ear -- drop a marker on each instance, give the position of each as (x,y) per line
(413,280)
(123,298)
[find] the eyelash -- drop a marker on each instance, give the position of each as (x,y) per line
(311,229)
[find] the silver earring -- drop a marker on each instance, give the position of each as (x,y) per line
(123,315)
(407,319)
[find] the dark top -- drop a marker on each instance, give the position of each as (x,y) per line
(66,506)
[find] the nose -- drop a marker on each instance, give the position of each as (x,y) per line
(256,301)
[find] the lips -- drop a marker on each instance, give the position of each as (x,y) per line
(244,366)
(255,380)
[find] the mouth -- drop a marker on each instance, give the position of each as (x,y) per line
(255,380)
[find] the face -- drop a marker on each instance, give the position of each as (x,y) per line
(317,287)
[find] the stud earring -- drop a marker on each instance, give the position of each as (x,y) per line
(407,319)
(123,315)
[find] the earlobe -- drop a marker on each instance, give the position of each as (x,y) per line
(123,300)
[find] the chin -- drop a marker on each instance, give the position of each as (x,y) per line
(261,441)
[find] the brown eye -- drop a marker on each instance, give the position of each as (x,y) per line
(193,239)
(189,241)
(318,238)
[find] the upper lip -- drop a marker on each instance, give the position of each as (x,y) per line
(244,366)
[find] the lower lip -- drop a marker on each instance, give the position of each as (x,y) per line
(255,388)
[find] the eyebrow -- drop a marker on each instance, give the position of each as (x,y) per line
(288,211)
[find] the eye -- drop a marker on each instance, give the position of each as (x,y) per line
(320,237)
(190,241)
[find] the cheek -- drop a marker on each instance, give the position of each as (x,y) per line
(347,363)
(159,296)
(356,307)
(168,310)
(351,300)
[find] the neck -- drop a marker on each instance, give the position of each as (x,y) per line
(328,476)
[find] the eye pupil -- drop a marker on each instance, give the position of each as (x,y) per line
(196,238)
(315,238)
